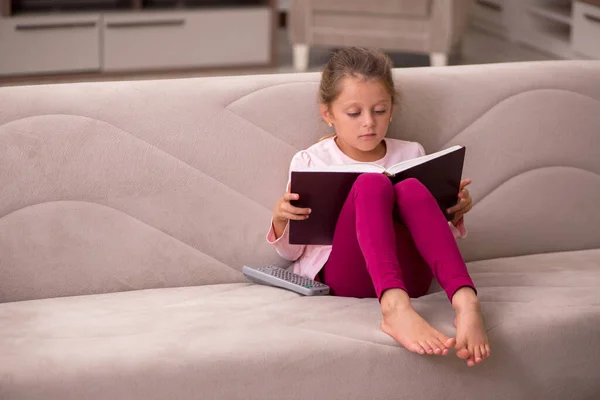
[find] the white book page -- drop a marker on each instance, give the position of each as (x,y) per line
(420,160)
(358,167)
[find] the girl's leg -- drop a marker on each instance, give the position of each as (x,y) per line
(364,263)
(347,272)
(363,260)
(428,227)
(426,223)
(417,274)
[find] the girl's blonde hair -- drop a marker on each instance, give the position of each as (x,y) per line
(355,62)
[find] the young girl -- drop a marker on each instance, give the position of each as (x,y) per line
(390,241)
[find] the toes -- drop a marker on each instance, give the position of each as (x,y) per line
(477,354)
(434,346)
(439,343)
(483,352)
(448,342)
(487,351)
(439,346)
(462,351)
(471,362)
(471,349)
(445,352)
(416,348)
(426,346)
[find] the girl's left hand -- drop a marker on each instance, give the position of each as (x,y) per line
(465,203)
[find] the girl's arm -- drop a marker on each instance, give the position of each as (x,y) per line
(278,234)
(290,252)
(460,230)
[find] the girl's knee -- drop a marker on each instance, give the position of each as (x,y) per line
(412,188)
(373,182)
(373,185)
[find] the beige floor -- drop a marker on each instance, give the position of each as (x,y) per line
(479,48)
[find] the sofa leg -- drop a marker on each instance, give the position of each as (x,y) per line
(300,55)
(438,59)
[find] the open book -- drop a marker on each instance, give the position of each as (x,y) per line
(324,190)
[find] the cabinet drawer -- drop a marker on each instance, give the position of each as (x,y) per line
(49,44)
(488,11)
(154,40)
(586,29)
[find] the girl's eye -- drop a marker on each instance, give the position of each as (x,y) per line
(356,114)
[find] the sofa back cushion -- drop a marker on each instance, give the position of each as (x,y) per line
(129,185)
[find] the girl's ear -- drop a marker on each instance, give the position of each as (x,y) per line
(326,114)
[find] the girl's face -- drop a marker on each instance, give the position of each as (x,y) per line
(360,115)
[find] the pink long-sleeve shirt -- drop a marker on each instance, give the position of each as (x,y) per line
(309,259)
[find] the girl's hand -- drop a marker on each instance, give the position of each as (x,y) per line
(284,211)
(464,205)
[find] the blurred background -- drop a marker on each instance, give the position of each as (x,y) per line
(47,41)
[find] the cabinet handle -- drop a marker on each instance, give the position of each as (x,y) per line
(490,5)
(143,24)
(62,25)
(592,18)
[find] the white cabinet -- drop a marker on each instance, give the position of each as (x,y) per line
(210,38)
(586,29)
(138,38)
(490,15)
(547,25)
(47,44)
(565,28)
(497,16)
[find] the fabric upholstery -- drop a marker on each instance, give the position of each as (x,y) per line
(199,163)
(241,341)
(162,190)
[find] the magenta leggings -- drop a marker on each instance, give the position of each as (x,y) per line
(372,252)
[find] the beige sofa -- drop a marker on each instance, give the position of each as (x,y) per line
(127,210)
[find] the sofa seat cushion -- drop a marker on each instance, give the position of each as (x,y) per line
(241,341)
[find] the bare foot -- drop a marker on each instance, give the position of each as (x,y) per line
(402,322)
(471,339)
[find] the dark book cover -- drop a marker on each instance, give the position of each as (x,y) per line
(325,193)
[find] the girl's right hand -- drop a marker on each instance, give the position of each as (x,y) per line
(284,210)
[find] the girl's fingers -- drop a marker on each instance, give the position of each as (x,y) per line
(463,205)
(468,207)
(456,208)
(296,217)
(287,207)
(290,196)
(455,220)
